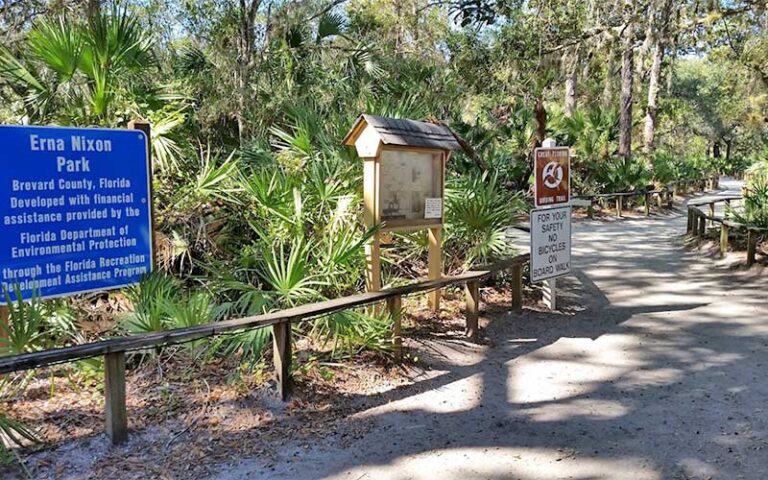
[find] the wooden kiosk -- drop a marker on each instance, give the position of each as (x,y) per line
(404,184)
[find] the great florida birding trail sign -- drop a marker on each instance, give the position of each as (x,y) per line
(553,176)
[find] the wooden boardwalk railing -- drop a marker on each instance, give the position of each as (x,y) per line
(113,350)
(697,224)
(664,196)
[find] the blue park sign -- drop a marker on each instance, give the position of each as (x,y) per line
(75,210)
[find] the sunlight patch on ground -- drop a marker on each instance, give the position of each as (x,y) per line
(649,377)
(494,463)
(582,408)
(459,396)
(579,365)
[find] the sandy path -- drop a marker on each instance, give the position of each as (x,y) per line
(664,375)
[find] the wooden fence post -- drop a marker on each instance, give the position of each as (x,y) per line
(647,204)
(751,247)
(114,397)
(689,229)
(517,287)
(670,199)
(723,239)
(702,227)
(395,308)
(435,264)
(660,199)
(712,213)
(619,205)
(472,290)
(281,347)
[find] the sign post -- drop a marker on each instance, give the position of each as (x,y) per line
(551,219)
(75,208)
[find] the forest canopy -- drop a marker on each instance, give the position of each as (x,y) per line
(660,75)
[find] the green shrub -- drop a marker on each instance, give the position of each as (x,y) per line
(478,212)
(150,299)
(620,174)
(755,202)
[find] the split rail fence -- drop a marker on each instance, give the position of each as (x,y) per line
(114,350)
(698,218)
(664,196)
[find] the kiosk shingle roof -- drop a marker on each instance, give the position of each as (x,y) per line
(409,133)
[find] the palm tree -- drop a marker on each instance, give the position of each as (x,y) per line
(73,72)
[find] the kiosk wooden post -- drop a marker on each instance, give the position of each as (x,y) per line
(435,266)
(373,247)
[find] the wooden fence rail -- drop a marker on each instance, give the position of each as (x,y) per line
(697,225)
(113,350)
(665,196)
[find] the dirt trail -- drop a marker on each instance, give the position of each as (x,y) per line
(662,375)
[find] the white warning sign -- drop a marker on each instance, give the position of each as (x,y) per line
(550,243)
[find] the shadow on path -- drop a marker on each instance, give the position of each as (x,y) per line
(661,375)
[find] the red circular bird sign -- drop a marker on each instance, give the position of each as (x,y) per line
(553,176)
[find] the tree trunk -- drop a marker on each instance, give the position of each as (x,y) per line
(540,115)
(571,63)
(607,97)
(728,152)
(649,42)
(675,41)
(653,92)
(93,8)
(627,76)
(716,149)
(245,49)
